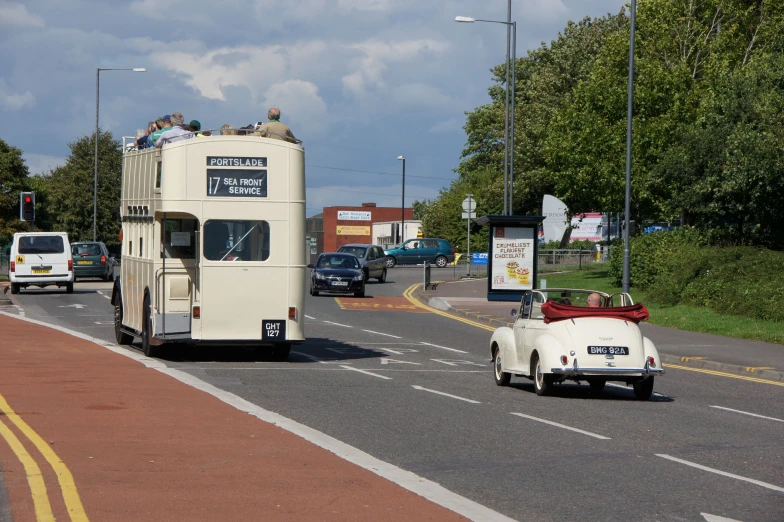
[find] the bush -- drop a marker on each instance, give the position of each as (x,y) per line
(679,267)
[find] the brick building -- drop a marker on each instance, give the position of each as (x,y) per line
(344,225)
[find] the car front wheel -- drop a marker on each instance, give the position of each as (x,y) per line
(383,277)
(502,378)
(543,382)
(391,261)
(441,262)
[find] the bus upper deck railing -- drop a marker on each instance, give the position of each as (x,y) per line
(129,142)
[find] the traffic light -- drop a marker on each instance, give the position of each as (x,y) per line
(27,206)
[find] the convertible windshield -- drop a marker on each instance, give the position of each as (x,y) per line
(41,245)
(357,251)
(338,262)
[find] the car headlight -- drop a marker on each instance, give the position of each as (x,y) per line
(360,277)
(319,275)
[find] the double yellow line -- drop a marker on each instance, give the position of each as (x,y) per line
(409,294)
(43,509)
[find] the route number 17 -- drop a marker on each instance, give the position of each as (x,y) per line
(213,182)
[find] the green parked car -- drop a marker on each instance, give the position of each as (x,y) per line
(416,251)
(92,259)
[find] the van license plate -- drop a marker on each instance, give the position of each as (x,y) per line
(608,350)
(41,270)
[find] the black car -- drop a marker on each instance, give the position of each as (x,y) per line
(335,272)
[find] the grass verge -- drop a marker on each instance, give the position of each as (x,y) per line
(684,317)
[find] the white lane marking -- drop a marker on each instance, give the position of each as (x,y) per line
(446,394)
(626,387)
(75,305)
(395,361)
(723,473)
(594,435)
(444,348)
(107,297)
(716,518)
(390,351)
(411,481)
(308,317)
(308,356)
(747,413)
(103,323)
(456,362)
(367,372)
(384,334)
(338,324)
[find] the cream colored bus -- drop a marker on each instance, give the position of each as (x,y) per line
(213,247)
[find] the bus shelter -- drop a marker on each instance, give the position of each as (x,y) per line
(512,255)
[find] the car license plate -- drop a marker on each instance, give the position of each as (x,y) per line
(339,283)
(608,350)
(41,270)
(84,262)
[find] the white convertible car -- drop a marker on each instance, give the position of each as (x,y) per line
(580,335)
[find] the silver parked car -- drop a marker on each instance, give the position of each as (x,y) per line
(372,259)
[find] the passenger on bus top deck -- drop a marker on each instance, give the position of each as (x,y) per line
(274,128)
(227,130)
(164,124)
(179,131)
(141,142)
(195,127)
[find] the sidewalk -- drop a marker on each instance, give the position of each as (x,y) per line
(142,445)
(468,298)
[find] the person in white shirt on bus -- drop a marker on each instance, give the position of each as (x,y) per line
(179,131)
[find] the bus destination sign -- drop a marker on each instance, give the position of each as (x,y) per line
(232,161)
(237,183)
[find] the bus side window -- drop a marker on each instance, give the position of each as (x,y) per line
(158,174)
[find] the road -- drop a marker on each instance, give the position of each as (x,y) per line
(416,390)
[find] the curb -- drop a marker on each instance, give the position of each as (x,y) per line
(746,371)
(689,362)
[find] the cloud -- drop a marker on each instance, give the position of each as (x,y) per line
(386,196)
(301,99)
(446,126)
(17,15)
(10,101)
(378,54)
(41,163)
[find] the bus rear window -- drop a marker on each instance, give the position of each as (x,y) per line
(41,245)
(226,240)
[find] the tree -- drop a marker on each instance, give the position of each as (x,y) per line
(13,180)
(70,190)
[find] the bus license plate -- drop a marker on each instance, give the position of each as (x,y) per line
(339,283)
(273,330)
(41,270)
(608,350)
(84,262)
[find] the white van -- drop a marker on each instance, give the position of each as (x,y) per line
(41,259)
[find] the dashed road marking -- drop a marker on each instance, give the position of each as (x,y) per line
(723,473)
(338,324)
(747,413)
(443,348)
(445,394)
(382,333)
(564,426)
(367,372)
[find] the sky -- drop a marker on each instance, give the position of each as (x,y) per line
(361,82)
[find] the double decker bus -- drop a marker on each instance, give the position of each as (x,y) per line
(213,248)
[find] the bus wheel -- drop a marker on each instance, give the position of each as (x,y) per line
(121,337)
(280,352)
(147,347)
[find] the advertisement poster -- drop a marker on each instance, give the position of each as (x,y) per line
(587,227)
(353,215)
(513,258)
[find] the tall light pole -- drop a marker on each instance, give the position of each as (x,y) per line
(95,180)
(627,208)
(510,93)
(403,203)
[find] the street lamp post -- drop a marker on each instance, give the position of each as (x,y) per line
(95,180)
(625,283)
(509,115)
(403,203)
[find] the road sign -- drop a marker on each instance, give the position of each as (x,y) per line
(469,215)
(469,204)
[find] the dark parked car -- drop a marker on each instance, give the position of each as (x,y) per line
(417,251)
(335,272)
(371,257)
(92,259)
